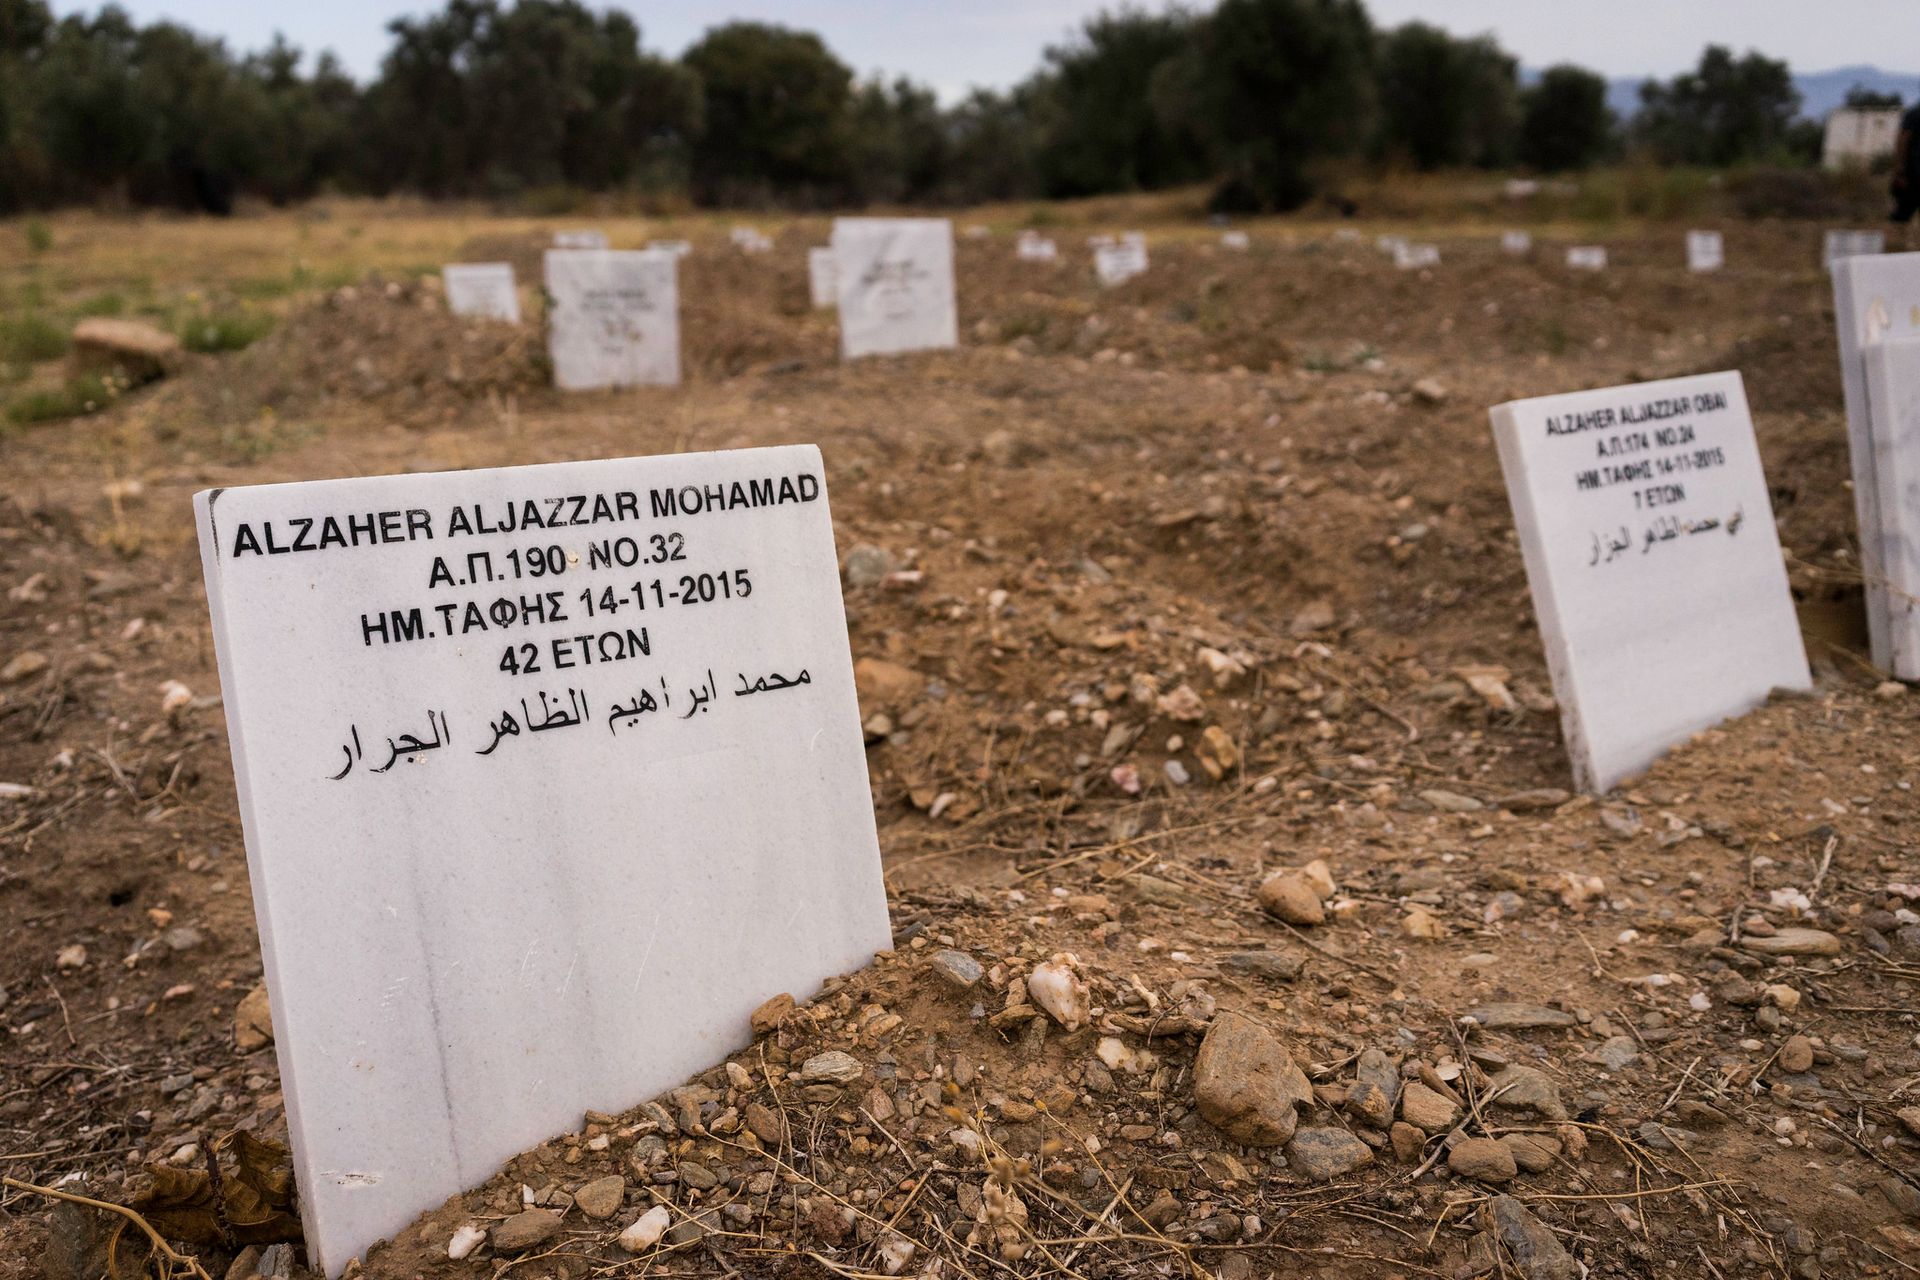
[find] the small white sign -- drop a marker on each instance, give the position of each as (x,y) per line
(823,282)
(1705,251)
(1648,535)
(614,318)
(1516,243)
(1414,257)
(481,290)
(579,239)
(1587,257)
(549,776)
(895,278)
(1118,261)
(1034,247)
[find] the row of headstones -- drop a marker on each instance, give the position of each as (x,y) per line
(1706,250)
(557,772)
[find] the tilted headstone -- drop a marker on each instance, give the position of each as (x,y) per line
(1413,257)
(482,290)
(895,278)
(1840,245)
(1517,243)
(823,283)
(1587,257)
(1875,297)
(1706,251)
(614,318)
(1034,247)
(579,239)
(1892,367)
(1656,572)
(549,776)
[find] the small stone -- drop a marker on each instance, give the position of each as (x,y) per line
(1520,1017)
(1526,1089)
(1616,1053)
(1533,1152)
(1246,1083)
(73,957)
(868,565)
(1429,391)
(1326,1153)
(1796,1056)
(1058,988)
(182,938)
(276,1263)
(133,349)
(1291,897)
(771,1014)
(1409,1143)
(1536,1251)
(465,1240)
(1538,798)
(767,1124)
(645,1231)
(525,1230)
(600,1199)
(957,967)
(1375,1086)
(1277,965)
(831,1067)
(1316,616)
(1909,1118)
(1451,801)
(1427,1110)
(1794,942)
(22,666)
(1483,1159)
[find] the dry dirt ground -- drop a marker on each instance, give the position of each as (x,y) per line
(1162,589)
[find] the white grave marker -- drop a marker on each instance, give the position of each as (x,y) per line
(1875,297)
(678,248)
(1706,251)
(482,290)
(895,278)
(1413,257)
(1587,257)
(579,239)
(822,280)
(615,318)
(1237,240)
(1656,572)
(749,240)
(1517,243)
(1390,245)
(1118,261)
(549,776)
(1852,244)
(1893,394)
(1034,247)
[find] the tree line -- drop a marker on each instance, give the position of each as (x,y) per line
(505,101)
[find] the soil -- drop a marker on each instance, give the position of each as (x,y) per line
(1189,586)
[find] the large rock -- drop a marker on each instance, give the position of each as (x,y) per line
(1483,1159)
(131,348)
(1247,1084)
(1536,1251)
(1426,1108)
(1526,1089)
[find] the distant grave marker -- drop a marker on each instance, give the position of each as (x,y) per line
(1239,241)
(1517,243)
(481,290)
(615,318)
(1034,247)
(978,232)
(895,278)
(1706,251)
(579,239)
(1390,245)
(1118,261)
(1656,572)
(1876,298)
(1852,244)
(1587,257)
(1415,257)
(549,776)
(822,280)
(749,240)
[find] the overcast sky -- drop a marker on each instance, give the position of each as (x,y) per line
(955,45)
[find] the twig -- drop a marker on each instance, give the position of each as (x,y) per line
(160,1246)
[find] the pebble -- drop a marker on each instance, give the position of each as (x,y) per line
(1537,1252)
(1519,1017)
(1375,1085)
(1277,965)
(1796,1055)
(771,1014)
(600,1199)
(1526,1089)
(1483,1159)
(465,1240)
(253,1021)
(1057,987)
(1290,896)
(645,1231)
(1425,1109)
(1326,1153)
(1910,1119)
(868,565)
(1533,1152)
(1408,1142)
(525,1230)
(1246,1083)
(30,663)
(1617,1053)
(1451,801)
(957,967)
(73,957)
(1794,942)
(831,1067)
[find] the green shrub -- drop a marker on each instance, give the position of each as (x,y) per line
(39,235)
(82,396)
(31,337)
(213,331)
(103,304)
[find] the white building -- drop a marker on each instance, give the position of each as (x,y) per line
(1858,136)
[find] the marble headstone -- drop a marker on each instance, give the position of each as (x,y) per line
(1840,245)
(1587,257)
(1034,247)
(1893,395)
(750,240)
(1238,240)
(483,290)
(549,776)
(579,239)
(1876,297)
(822,281)
(1706,251)
(1517,243)
(1656,572)
(1414,257)
(678,248)
(614,318)
(895,277)
(1118,261)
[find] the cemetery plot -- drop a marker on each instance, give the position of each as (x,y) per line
(614,319)
(511,746)
(895,278)
(482,290)
(1657,578)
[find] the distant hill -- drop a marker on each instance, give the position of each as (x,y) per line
(1820,91)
